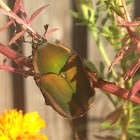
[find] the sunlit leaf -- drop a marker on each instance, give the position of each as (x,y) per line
(18,35)
(114,117)
(50,31)
(16,5)
(91,66)
(37,12)
(7,25)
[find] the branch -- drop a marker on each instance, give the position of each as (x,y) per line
(15,70)
(112,88)
(15,56)
(130,30)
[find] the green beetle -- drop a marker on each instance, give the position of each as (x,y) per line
(63,80)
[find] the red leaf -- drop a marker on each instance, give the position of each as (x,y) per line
(138,48)
(123,52)
(37,12)
(134,89)
(16,6)
(129,24)
(19,20)
(132,69)
(18,35)
(7,25)
(114,116)
(50,31)
(122,23)
(24,13)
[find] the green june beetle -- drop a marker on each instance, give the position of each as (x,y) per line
(61,75)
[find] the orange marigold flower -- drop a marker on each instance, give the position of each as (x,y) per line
(16,126)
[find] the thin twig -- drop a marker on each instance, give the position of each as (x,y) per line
(15,70)
(15,56)
(126,11)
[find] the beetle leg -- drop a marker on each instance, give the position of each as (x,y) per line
(28,72)
(29,59)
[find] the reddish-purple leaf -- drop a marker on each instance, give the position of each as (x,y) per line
(7,25)
(134,89)
(132,69)
(129,24)
(18,35)
(50,31)
(24,13)
(19,20)
(138,48)
(123,52)
(16,6)
(119,19)
(37,12)
(122,23)
(114,116)
(11,14)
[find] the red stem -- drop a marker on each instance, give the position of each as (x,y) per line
(130,30)
(15,56)
(112,88)
(19,71)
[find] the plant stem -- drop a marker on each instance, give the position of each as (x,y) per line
(112,88)
(4,6)
(102,50)
(15,56)
(126,11)
(127,115)
(123,134)
(21,22)
(84,8)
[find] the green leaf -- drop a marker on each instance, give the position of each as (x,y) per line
(105,19)
(133,133)
(105,35)
(109,75)
(99,2)
(91,66)
(106,30)
(106,124)
(97,13)
(102,67)
(76,14)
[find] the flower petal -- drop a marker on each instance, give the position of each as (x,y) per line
(35,122)
(24,128)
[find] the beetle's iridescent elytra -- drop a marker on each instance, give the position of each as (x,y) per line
(61,75)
